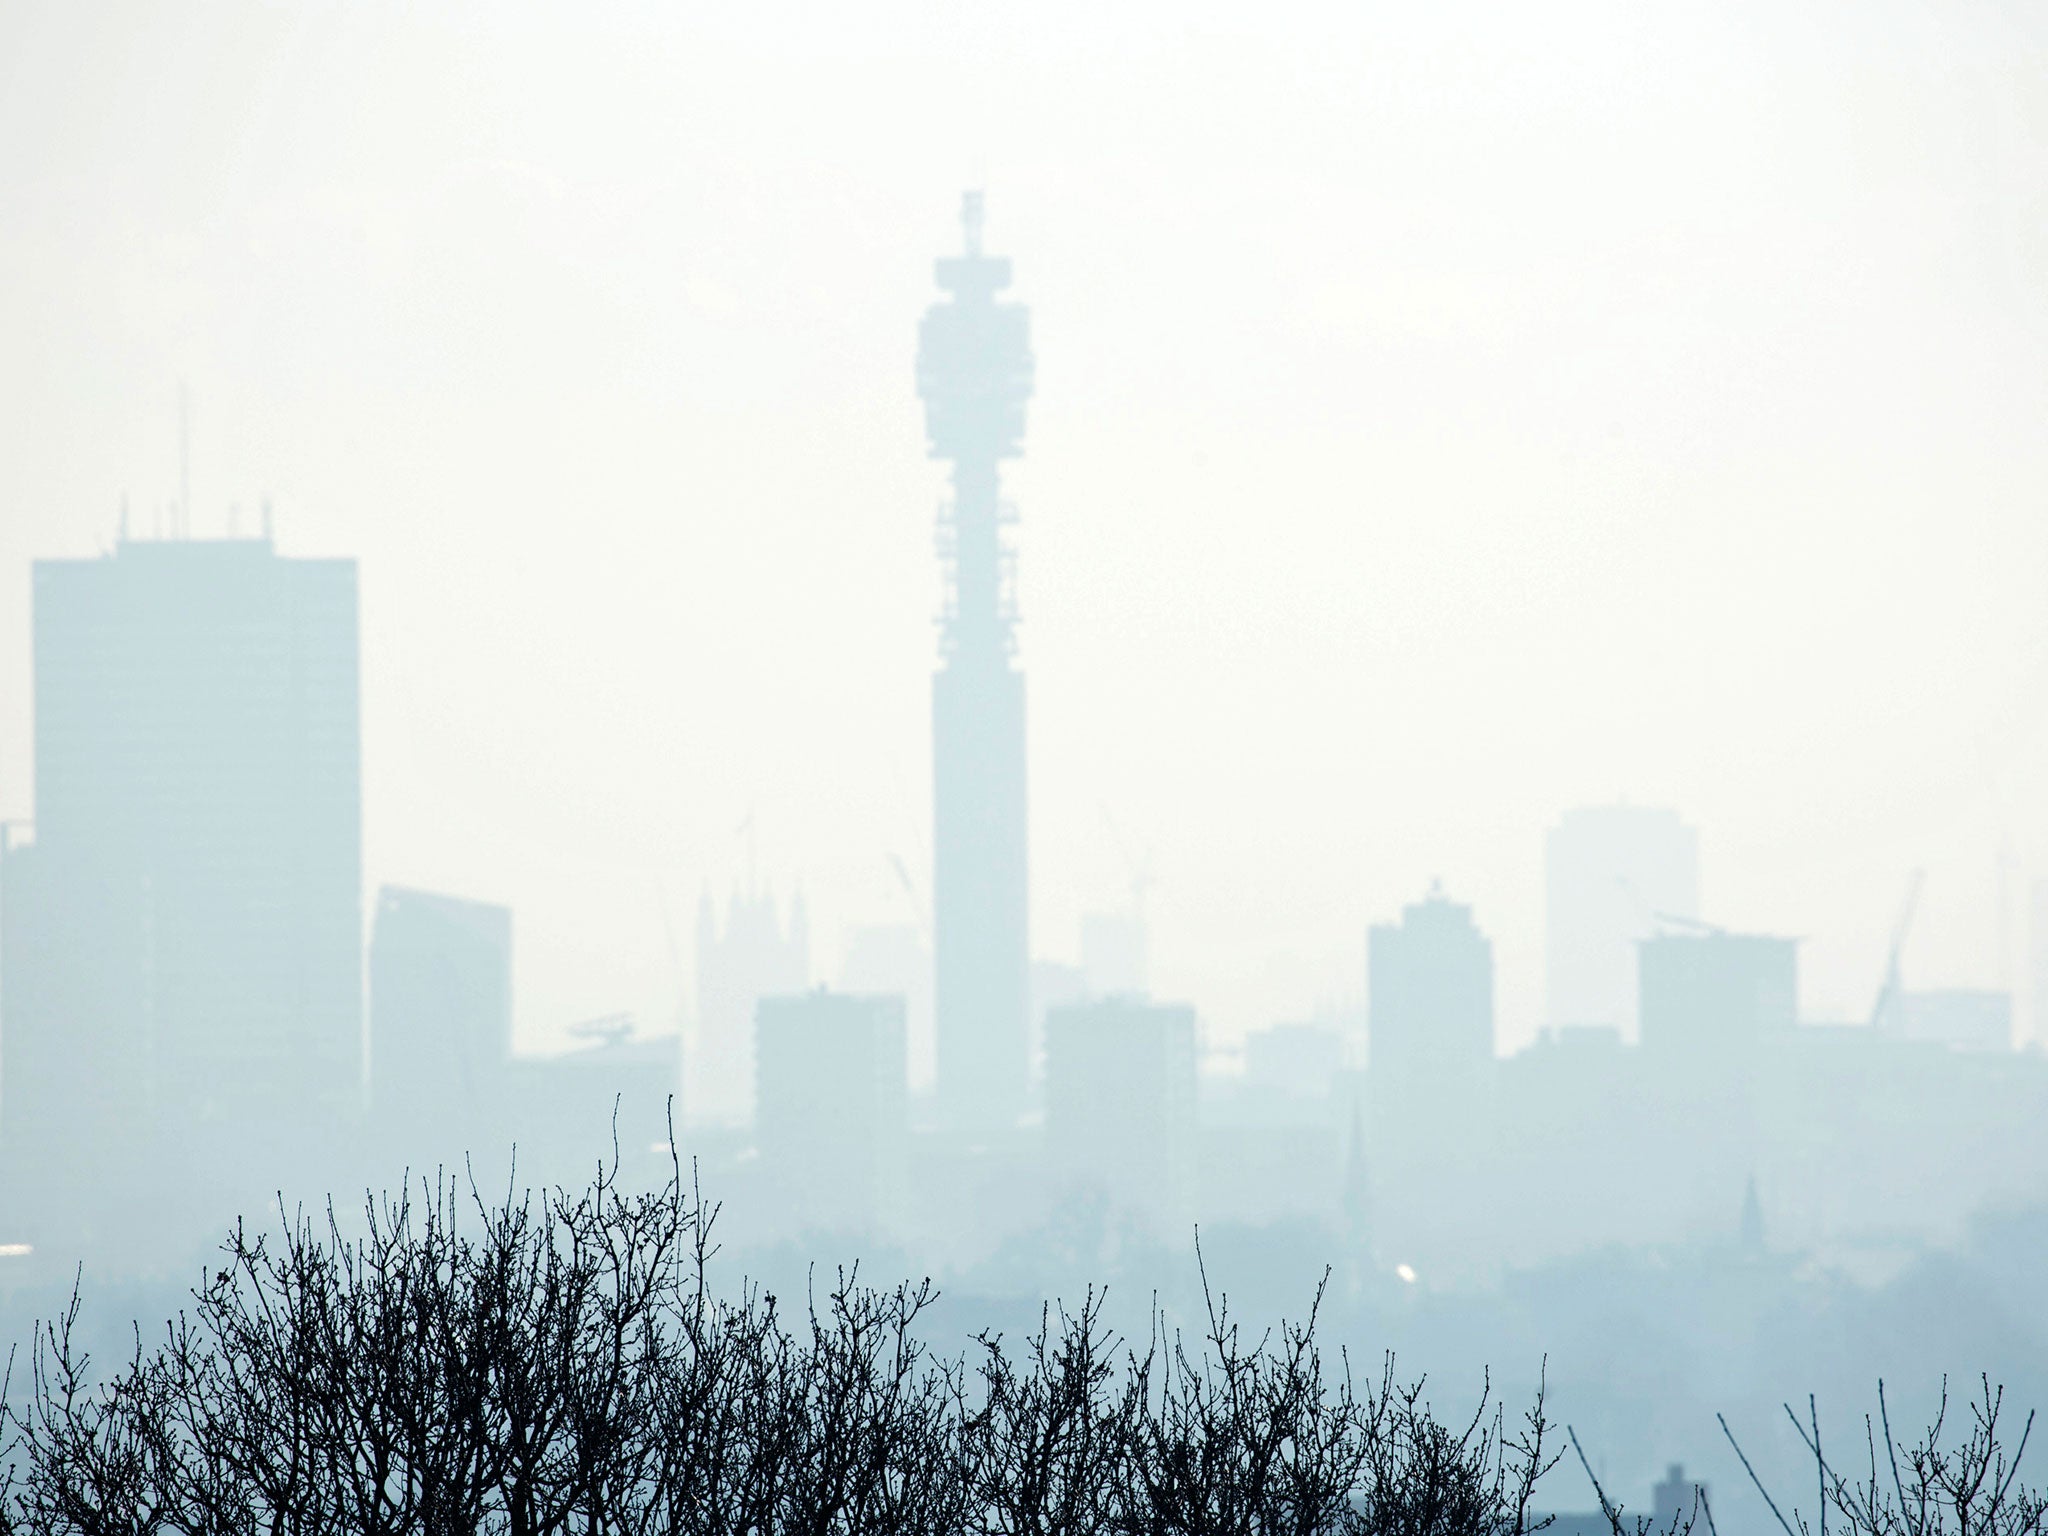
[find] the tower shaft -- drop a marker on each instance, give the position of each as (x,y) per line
(974,375)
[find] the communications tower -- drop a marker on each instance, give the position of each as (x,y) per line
(974,377)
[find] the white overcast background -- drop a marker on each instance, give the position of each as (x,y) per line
(1447,414)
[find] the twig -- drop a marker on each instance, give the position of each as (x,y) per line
(1760,1488)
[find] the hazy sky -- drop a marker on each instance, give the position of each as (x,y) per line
(1447,414)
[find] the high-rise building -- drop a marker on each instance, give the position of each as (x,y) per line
(758,953)
(1429,995)
(974,369)
(440,1022)
(185,933)
(1430,1079)
(1609,870)
(831,1115)
(1120,1104)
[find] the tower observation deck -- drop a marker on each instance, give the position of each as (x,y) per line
(974,371)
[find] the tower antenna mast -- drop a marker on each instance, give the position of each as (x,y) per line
(182,526)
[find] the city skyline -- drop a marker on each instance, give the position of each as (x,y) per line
(1379,667)
(1598,434)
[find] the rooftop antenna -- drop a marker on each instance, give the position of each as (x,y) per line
(970,221)
(182,524)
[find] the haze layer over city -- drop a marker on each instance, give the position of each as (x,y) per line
(1414,635)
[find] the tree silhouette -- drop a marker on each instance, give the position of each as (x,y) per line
(561,1363)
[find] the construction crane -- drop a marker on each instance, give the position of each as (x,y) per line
(1139,866)
(1891,995)
(1661,920)
(917,908)
(1689,924)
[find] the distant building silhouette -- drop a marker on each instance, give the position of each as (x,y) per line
(1358,1235)
(1120,1104)
(1608,871)
(1749,1234)
(1672,1500)
(1671,1506)
(830,1118)
(894,958)
(1719,1011)
(1715,995)
(1054,984)
(1430,1076)
(756,954)
(615,1086)
(440,1022)
(974,370)
(1273,1136)
(1429,994)
(1564,1103)
(1968,1019)
(185,934)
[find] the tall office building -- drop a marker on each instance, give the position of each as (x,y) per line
(185,933)
(1430,1078)
(758,953)
(832,1108)
(440,1023)
(974,370)
(1429,995)
(1120,1104)
(1608,871)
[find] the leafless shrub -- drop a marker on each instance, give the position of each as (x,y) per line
(560,1363)
(1944,1483)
